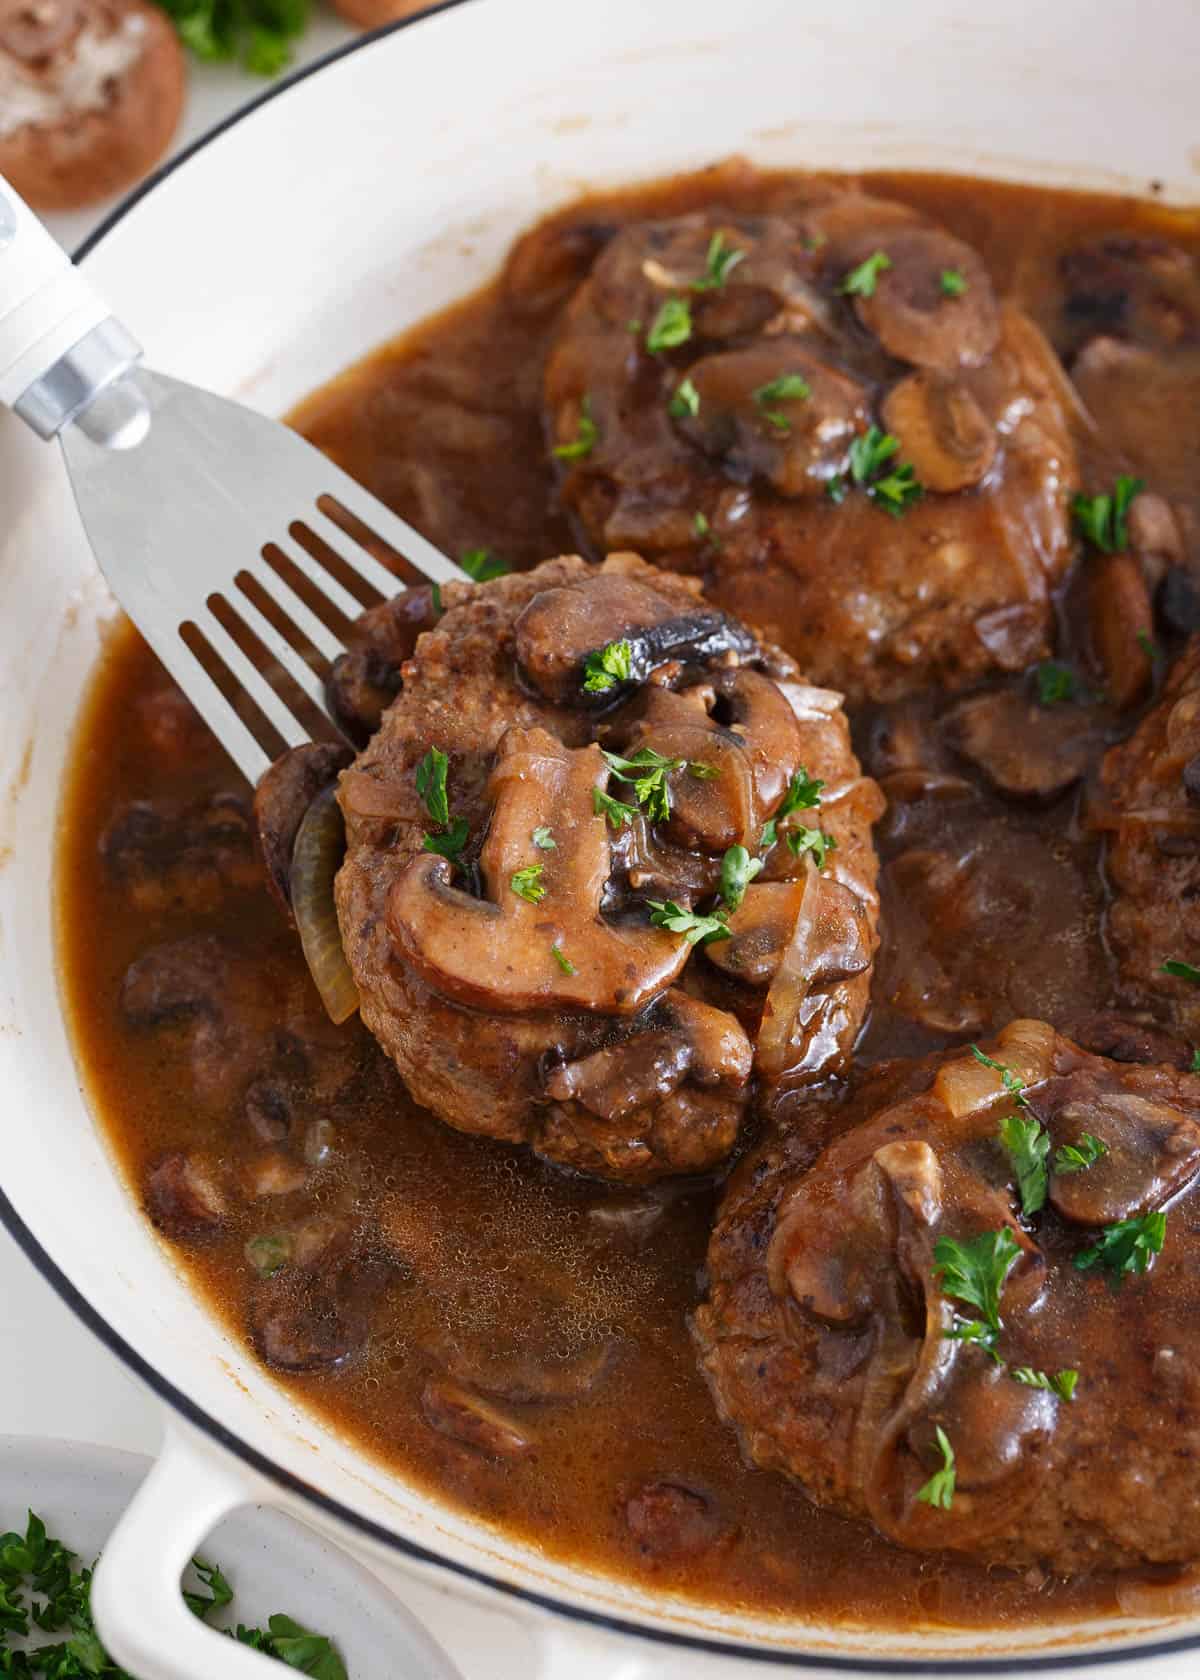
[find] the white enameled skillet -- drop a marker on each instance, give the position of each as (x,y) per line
(339,209)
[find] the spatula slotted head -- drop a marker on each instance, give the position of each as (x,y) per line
(242,555)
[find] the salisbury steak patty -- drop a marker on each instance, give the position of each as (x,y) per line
(848,1337)
(614,749)
(748,398)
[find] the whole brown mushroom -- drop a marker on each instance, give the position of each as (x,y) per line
(373,14)
(90,96)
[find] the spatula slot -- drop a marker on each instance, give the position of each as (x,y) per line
(401,571)
(317,545)
(245,733)
(325,599)
(288,682)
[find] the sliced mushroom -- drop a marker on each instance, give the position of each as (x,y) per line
(670,1520)
(280,801)
(90,94)
(761,929)
(796,443)
(1128,1038)
(311,1319)
(1152,1149)
(183,1197)
(1121,626)
(167,858)
(945,434)
(817,995)
(468,1418)
(1027,750)
(497,952)
(560,627)
(364,680)
(911,313)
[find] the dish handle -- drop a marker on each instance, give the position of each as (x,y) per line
(139,1609)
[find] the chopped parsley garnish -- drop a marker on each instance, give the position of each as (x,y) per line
(1103,519)
(685,401)
(648,772)
(431,784)
(268,1255)
(41,1592)
(617,813)
(435,595)
(1195,1067)
(258,34)
(939,1489)
(1146,642)
(1181,970)
(803,794)
(1062,1383)
(861,281)
(1013,1083)
(544,840)
(696,929)
(482,565)
(837,489)
(586,434)
(895,490)
(702,772)
(671,327)
(563,960)
(604,670)
(954,282)
(1028,1143)
(1128,1246)
(1078,1157)
(814,840)
(974,1330)
(975,1271)
(738,869)
(527,883)
(790,387)
(719,264)
(701,526)
(450,844)
(1055,682)
(769,836)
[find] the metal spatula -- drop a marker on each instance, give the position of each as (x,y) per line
(237,549)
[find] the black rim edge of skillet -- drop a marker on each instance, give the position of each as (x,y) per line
(1017,1664)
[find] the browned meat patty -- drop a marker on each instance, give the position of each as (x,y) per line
(838,1337)
(1150,806)
(513,972)
(708,400)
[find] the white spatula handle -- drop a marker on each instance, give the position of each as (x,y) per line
(59,342)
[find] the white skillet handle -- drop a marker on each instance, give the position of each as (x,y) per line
(59,343)
(140,1613)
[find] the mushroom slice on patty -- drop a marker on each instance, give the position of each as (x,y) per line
(498,951)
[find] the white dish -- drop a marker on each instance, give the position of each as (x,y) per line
(320,224)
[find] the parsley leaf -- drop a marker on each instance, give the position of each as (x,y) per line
(870,452)
(1128,1246)
(939,1489)
(219,1593)
(975,1271)
(1062,1383)
(954,282)
(803,794)
(1103,519)
(450,844)
(1055,682)
(814,840)
(790,387)
(738,869)
(563,960)
(258,34)
(1028,1143)
(696,929)
(586,435)
(671,327)
(1078,1157)
(769,835)
(431,784)
(685,401)
(861,281)
(310,1653)
(974,1330)
(605,669)
(704,530)
(1181,970)
(648,772)
(527,883)
(617,813)
(1195,1067)
(544,840)
(719,264)
(701,771)
(482,565)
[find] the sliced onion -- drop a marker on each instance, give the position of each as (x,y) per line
(316,858)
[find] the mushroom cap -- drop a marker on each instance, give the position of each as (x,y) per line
(91,93)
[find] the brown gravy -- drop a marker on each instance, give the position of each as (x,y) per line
(445,425)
